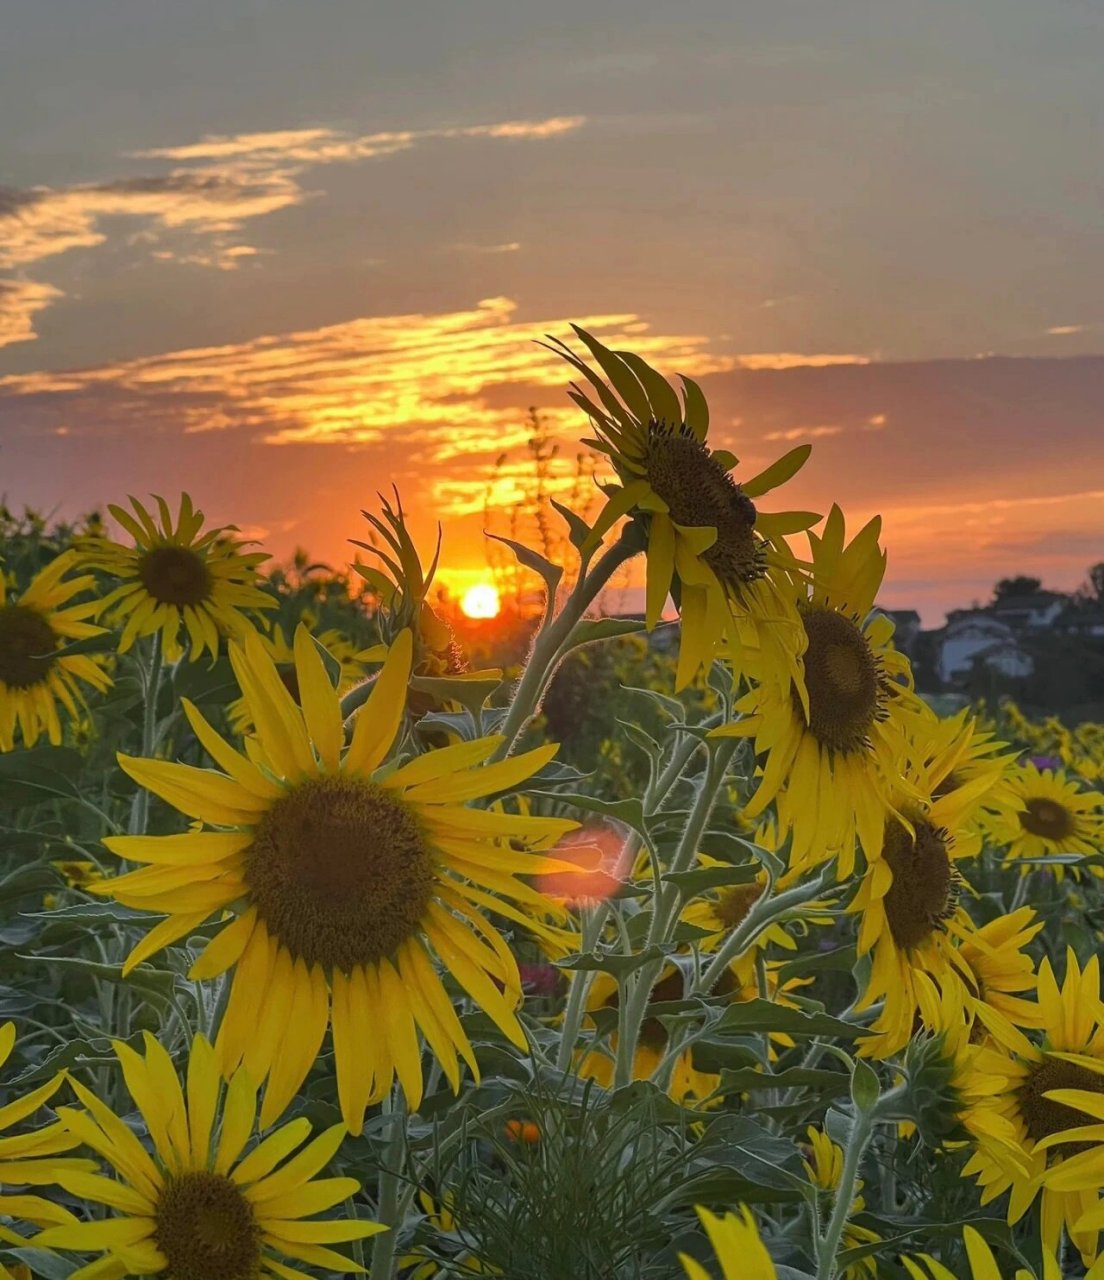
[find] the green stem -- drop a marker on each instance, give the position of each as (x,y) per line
(828,1247)
(151,683)
(553,640)
(383,1250)
(594,921)
(637,990)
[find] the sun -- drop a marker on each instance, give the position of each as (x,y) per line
(481,601)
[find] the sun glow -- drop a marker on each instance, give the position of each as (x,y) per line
(481,601)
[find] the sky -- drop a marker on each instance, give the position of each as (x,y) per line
(285,255)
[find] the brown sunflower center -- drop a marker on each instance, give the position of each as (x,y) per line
(206,1229)
(27,644)
(699,492)
(340,871)
(1048,819)
(1043,1116)
(734,903)
(843,680)
(925,883)
(175,575)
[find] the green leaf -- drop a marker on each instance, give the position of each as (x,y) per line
(551,573)
(753,1016)
(24,881)
(579,529)
(615,962)
(628,811)
(44,1264)
(26,777)
(91,913)
(590,630)
(202,682)
(700,879)
(865,1087)
(156,985)
(470,694)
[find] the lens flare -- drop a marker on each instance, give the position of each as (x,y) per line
(481,601)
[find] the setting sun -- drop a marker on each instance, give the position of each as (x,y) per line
(480,601)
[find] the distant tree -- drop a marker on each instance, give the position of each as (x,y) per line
(1096,582)
(1017,586)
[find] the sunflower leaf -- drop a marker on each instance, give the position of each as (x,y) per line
(551,573)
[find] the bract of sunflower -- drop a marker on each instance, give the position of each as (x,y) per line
(1040,813)
(833,740)
(403,596)
(708,543)
(1049,1089)
(199,1206)
(176,580)
(824,1169)
(737,1246)
(36,674)
(31,1159)
(343,875)
(341,649)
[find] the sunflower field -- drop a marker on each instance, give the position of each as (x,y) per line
(318,956)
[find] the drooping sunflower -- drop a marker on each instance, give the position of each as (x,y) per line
(833,739)
(1042,811)
(34,676)
(176,579)
(908,906)
(708,542)
(983,1266)
(197,1208)
(1037,1088)
(341,874)
(825,1169)
(31,1159)
(737,1246)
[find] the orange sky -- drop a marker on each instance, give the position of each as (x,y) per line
(285,263)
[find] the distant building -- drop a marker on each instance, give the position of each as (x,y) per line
(906,627)
(1039,609)
(976,634)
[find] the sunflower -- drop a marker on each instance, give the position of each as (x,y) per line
(724,909)
(340,875)
(34,675)
(687,1083)
(956,750)
(737,1247)
(442,1220)
(908,901)
(983,1266)
(833,738)
(998,971)
(30,1159)
(174,579)
(708,543)
(1043,812)
(1036,1088)
(195,1208)
(825,1169)
(340,648)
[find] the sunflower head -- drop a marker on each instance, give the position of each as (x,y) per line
(177,580)
(924,891)
(36,675)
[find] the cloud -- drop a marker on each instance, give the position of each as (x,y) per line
(19,301)
(511,246)
(803,433)
(794,360)
(218,185)
(445,387)
(1066,330)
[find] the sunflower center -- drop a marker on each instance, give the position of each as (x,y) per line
(925,884)
(699,492)
(734,903)
(1048,819)
(843,681)
(340,871)
(175,575)
(27,644)
(206,1229)
(1044,1117)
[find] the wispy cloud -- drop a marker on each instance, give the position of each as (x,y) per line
(216,186)
(1066,330)
(19,301)
(795,360)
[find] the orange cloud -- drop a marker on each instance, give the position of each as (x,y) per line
(794,360)
(19,301)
